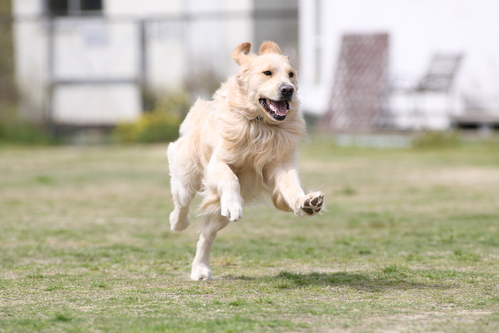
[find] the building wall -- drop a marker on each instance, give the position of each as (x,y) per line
(417,30)
(283,31)
(187,37)
(30,48)
(183,38)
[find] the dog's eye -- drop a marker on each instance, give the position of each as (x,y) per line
(291,74)
(268,73)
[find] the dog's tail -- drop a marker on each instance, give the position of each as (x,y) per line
(210,205)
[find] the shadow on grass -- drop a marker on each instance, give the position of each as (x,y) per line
(367,282)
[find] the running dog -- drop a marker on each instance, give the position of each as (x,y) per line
(239,148)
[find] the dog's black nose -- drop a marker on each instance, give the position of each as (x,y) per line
(286,90)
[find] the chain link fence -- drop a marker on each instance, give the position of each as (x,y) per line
(358,99)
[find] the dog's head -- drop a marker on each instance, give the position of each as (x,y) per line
(268,80)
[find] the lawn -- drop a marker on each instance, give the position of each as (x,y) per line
(410,243)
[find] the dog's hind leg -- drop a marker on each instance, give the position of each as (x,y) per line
(179,217)
(184,184)
(212,224)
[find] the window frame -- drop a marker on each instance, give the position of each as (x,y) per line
(72,8)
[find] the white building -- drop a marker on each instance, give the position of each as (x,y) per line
(417,30)
(85,62)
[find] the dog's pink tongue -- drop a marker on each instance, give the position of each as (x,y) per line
(279,107)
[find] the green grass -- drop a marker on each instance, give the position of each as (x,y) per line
(410,243)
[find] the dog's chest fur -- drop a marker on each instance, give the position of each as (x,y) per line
(258,145)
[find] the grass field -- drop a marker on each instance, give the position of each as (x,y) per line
(410,243)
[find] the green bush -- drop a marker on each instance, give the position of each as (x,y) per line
(159,125)
(16,131)
(24,133)
(436,140)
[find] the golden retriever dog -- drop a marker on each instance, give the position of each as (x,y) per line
(240,148)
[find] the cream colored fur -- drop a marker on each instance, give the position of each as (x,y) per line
(233,151)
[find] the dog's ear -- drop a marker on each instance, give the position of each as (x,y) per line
(269,48)
(240,54)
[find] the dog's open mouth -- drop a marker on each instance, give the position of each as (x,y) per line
(277,109)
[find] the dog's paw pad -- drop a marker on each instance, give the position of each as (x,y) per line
(313,203)
(317,201)
(308,210)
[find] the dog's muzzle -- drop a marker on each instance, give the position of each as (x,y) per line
(277,109)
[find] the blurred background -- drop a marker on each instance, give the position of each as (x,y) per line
(130,69)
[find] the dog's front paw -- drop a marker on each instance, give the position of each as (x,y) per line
(232,209)
(311,204)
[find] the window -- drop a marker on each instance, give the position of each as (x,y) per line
(74,7)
